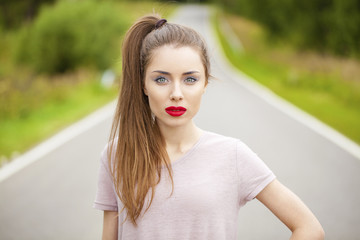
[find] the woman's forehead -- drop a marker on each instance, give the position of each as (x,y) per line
(174,59)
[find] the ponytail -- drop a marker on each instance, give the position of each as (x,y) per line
(137,146)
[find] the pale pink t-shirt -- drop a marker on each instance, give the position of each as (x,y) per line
(212,181)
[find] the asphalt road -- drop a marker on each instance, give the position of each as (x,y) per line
(52,198)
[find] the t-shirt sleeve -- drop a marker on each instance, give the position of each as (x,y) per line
(105,199)
(253,174)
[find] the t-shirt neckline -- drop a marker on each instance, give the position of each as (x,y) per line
(190,151)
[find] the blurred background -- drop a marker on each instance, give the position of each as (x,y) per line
(59,61)
(59,58)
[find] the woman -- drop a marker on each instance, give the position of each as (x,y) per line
(162,177)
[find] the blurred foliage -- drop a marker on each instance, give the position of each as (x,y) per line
(14,12)
(65,39)
(46,106)
(76,40)
(324,25)
(71,34)
(325,86)
(22,93)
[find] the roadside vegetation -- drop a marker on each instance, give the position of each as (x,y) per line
(323,84)
(51,66)
(320,25)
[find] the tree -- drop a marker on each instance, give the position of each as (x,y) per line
(14,12)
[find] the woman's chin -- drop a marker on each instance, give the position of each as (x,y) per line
(174,122)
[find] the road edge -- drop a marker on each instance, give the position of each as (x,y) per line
(284,106)
(57,140)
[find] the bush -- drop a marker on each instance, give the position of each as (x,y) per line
(72,34)
(327,26)
(14,13)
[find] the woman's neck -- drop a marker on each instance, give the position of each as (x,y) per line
(180,139)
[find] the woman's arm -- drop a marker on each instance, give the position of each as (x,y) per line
(291,211)
(110,225)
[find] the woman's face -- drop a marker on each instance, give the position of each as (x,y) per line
(174,83)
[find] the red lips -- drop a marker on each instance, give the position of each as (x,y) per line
(175,111)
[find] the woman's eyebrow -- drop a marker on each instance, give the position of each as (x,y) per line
(162,72)
(167,73)
(191,72)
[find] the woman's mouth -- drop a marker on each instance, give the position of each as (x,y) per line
(175,111)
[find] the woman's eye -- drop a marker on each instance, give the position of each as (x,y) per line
(190,80)
(161,80)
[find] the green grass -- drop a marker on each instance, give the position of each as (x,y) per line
(19,134)
(321,87)
(35,107)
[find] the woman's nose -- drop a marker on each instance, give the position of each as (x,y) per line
(176,93)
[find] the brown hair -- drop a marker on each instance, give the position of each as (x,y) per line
(138,150)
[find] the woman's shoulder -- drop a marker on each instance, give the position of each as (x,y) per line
(109,150)
(219,142)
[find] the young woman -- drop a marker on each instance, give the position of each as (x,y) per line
(162,177)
